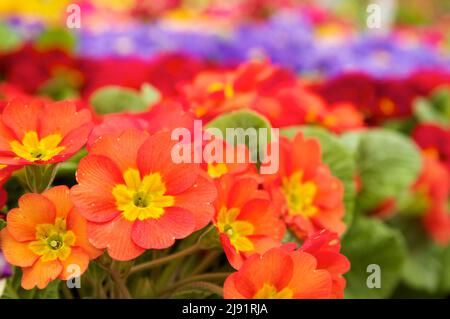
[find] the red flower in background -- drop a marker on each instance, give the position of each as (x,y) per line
(433,186)
(434,140)
(30,68)
(163,116)
(268,89)
(131,73)
(310,197)
(279,274)
(245,218)
(37,133)
(377,99)
(343,117)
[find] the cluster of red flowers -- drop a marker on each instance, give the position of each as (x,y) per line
(131,196)
(379,99)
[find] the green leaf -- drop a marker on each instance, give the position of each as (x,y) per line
(9,39)
(244,120)
(290,237)
(210,239)
(435,109)
(59,38)
(337,157)
(424,269)
(368,242)
(425,113)
(2,223)
(13,289)
(150,95)
(192,293)
(388,163)
(445,275)
(116,99)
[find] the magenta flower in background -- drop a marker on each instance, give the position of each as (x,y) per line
(5,268)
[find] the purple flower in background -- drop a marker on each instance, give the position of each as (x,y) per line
(385,56)
(5,268)
(286,39)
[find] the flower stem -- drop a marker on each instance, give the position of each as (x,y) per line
(163,260)
(215,276)
(119,281)
(203,285)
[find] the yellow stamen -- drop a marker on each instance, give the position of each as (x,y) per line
(236,230)
(34,149)
(299,195)
(226,88)
(141,198)
(270,292)
(216,170)
(53,241)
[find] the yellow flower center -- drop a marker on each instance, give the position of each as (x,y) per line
(215,170)
(141,198)
(34,149)
(270,292)
(236,230)
(226,88)
(53,241)
(299,195)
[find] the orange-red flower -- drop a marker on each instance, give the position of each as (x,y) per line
(310,197)
(220,158)
(270,90)
(434,140)
(245,218)
(325,246)
(279,274)
(40,133)
(343,117)
(45,235)
(136,198)
(433,187)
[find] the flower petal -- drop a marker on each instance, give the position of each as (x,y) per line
(16,253)
(121,148)
(176,223)
(34,209)
(154,156)
(22,117)
(75,264)
(60,197)
(41,274)
(97,176)
(198,200)
(115,235)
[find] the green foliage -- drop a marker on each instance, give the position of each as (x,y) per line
(9,40)
(369,241)
(59,38)
(426,268)
(13,289)
(243,119)
(435,109)
(116,99)
(387,163)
